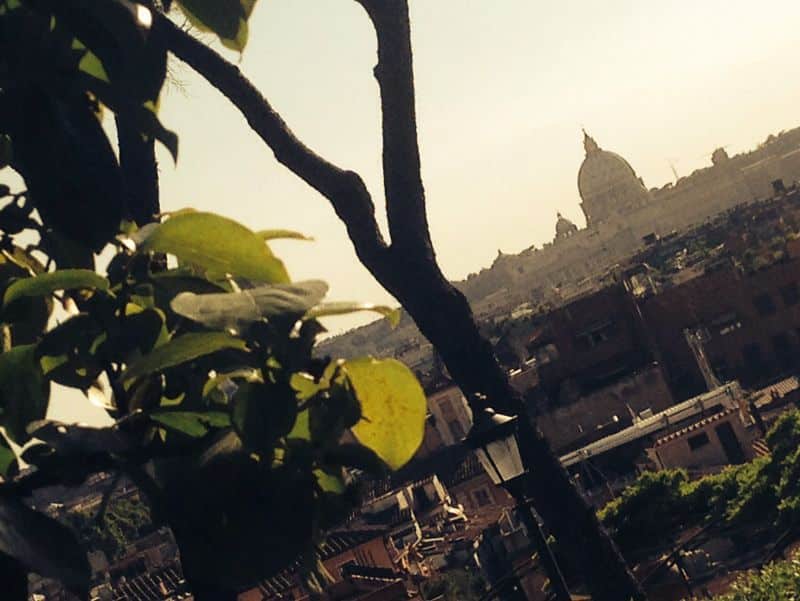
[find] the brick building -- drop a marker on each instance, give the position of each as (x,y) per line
(717,440)
(358,560)
(683,314)
(451,416)
(750,324)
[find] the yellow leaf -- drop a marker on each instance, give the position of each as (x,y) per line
(393,408)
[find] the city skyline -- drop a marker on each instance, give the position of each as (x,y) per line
(500,116)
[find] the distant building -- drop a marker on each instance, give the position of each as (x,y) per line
(622,215)
(504,555)
(359,561)
(451,415)
(718,440)
(620,212)
(669,325)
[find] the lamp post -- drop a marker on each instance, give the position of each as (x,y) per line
(493,437)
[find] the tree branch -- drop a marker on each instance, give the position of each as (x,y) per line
(344,189)
(405,194)
(408,269)
(139,172)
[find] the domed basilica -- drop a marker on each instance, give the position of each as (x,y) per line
(621,211)
(608,185)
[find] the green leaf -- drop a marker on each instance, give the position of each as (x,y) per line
(263,413)
(239,309)
(218,245)
(66,352)
(330,480)
(90,63)
(226,18)
(29,319)
(304,385)
(7,457)
(42,544)
(343,308)
(225,444)
(248,374)
(192,423)
(268,235)
(301,428)
(24,392)
(333,412)
(180,350)
(171,283)
(47,283)
(393,408)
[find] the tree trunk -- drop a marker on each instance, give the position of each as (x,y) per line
(407,269)
(139,172)
(443,315)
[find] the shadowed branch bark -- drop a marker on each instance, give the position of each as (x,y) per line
(408,270)
(137,161)
(139,168)
(405,195)
(344,189)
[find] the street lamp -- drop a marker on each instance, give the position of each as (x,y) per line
(493,438)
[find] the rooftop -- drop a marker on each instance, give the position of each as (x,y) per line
(699,425)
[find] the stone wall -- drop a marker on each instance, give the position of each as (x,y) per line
(592,416)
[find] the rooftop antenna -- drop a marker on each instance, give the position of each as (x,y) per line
(671,163)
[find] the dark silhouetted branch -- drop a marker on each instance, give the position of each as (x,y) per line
(139,172)
(405,195)
(408,270)
(344,189)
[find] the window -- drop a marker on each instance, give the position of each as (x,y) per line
(456,430)
(595,334)
(445,406)
(697,441)
(545,353)
(764,304)
(482,497)
(346,567)
(790,294)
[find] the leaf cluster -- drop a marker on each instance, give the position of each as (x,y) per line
(776,581)
(194,338)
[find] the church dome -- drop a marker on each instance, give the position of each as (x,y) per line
(607,184)
(564,227)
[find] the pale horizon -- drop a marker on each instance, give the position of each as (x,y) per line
(503,90)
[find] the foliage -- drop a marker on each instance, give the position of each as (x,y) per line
(123,522)
(454,585)
(775,582)
(765,490)
(195,339)
(226,18)
(646,512)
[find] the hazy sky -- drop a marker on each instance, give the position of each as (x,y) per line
(503,89)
